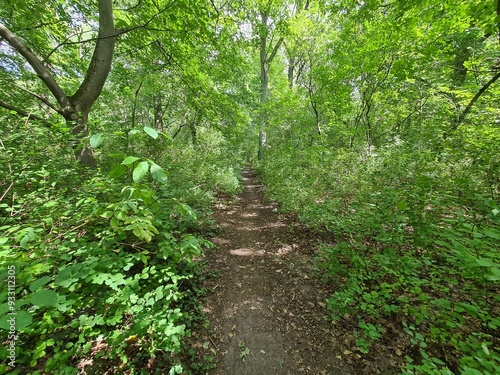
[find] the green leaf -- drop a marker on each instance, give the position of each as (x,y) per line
(96,140)
(158,173)
(30,236)
(402,205)
(470,371)
(151,132)
(140,171)
(485,262)
(129,160)
(118,170)
(485,348)
(37,284)
(114,222)
(45,298)
(107,214)
(3,240)
(22,320)
(493,274)
(176,370)
(492,234)
(186,210)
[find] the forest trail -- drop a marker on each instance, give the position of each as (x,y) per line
(266,308)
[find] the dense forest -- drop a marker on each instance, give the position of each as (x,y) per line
(375,122)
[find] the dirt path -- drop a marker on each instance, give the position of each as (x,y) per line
(266,307)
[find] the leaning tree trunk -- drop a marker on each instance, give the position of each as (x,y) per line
(91,87)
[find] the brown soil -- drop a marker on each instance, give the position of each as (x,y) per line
(266,306)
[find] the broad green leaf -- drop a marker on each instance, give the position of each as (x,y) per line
(37,284)
(485,262)
(158,173)
(107,214)
(118,170)
(4,308)
(151,132)
(186,210)
(140,171)
(493,274)
(129,160)
(3,240)
(28,237)
(45,298)
(22,320)
(114,222)
(96,140)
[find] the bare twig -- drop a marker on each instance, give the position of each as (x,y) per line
(6,191)
(23,113)
(41,98)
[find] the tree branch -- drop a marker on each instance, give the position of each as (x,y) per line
(41,98)
(275,50)
(116,34)
(39,26)
(37,65)
(467,109)
(23,113)
(66,43)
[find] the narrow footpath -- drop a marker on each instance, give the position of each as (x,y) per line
(265,306)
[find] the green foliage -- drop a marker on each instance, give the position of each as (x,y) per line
(372,143)
(384,133)
(105,261)
(416,243)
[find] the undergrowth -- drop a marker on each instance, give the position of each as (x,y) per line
(101,268)
(416,250)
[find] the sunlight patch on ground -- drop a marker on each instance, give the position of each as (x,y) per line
(250,214)
(219,241)
(246,252)
(285,249)
(251,187)
(261,228)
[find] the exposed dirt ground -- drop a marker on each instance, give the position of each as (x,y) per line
(265,305)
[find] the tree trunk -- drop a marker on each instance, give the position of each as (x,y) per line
(82,153)
(97,74)
(264,84)
(158,103)
(291,69)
